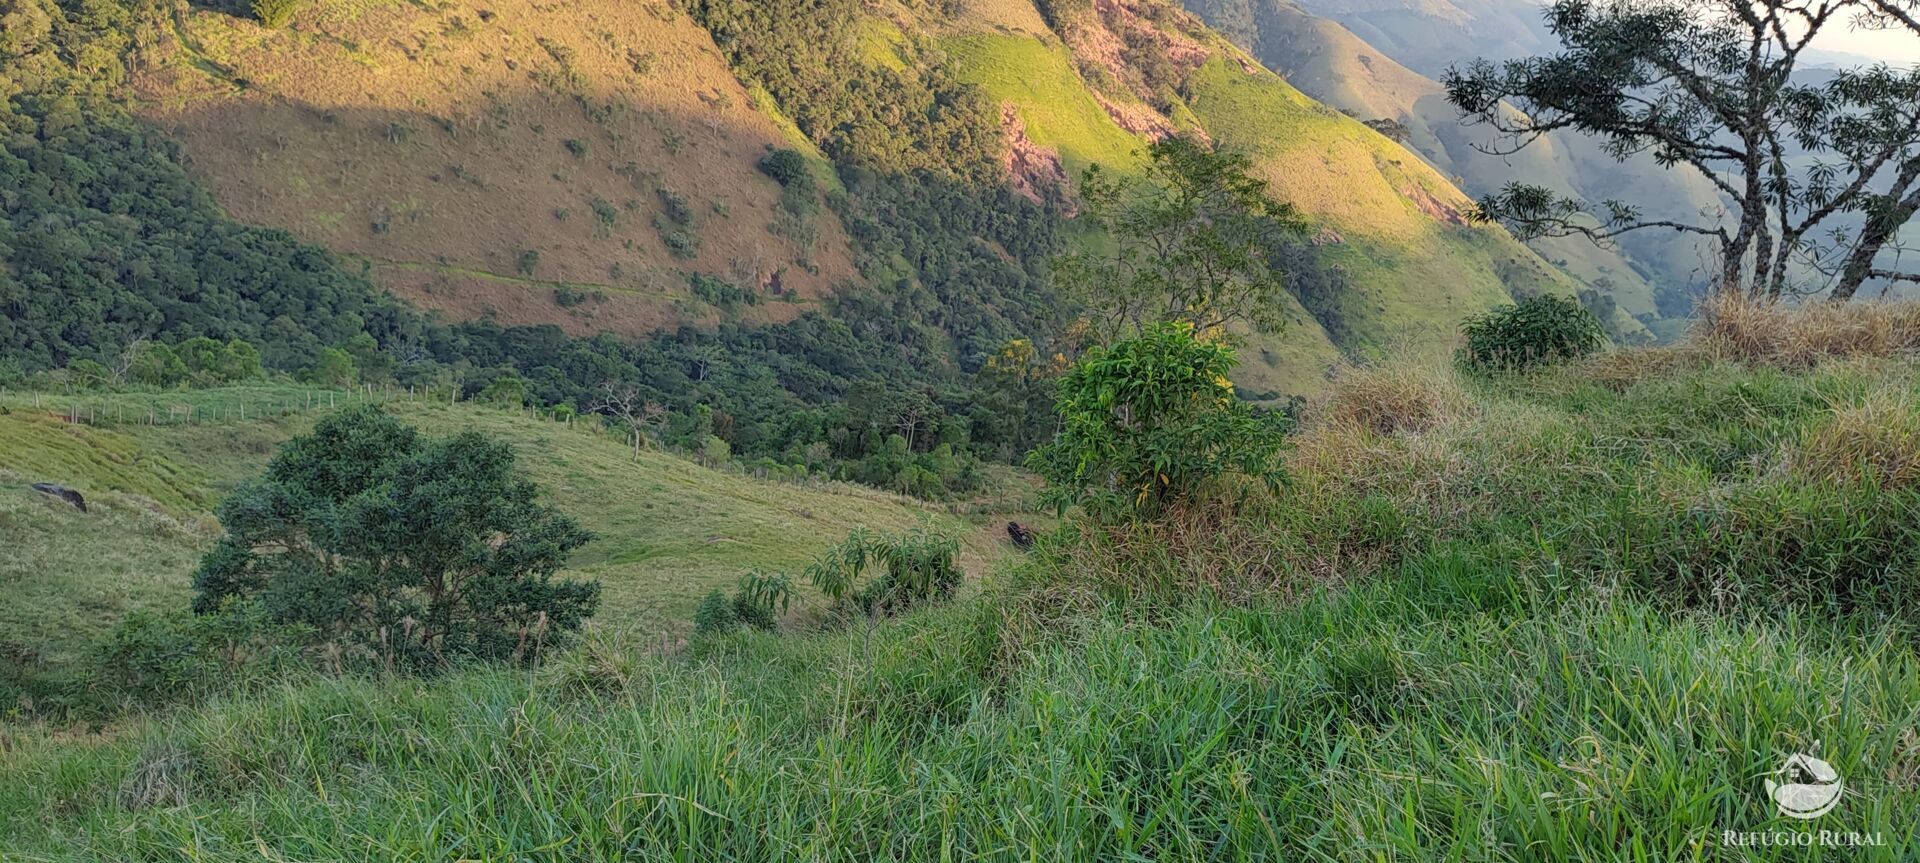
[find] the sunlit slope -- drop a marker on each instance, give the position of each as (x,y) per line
(1327,61)
(1389,220)
(481,156)
(667,530)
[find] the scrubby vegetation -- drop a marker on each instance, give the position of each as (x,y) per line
(1534,332)
(1150,422)
(155,466)
(1550,603)
(1513,618)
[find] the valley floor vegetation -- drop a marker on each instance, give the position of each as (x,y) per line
(1577,612)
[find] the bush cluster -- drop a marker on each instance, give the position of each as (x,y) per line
(1537,331)
(275,13)
(758,601)
(877,574)
(1149,421)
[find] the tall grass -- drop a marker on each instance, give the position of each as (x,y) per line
(1453,711)
(1570,616)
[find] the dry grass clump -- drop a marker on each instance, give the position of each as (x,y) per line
(161,776)
(1876,440)
(1216,546)
(1617,370)
(1796,337)
(1389,399)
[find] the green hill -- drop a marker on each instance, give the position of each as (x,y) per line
(1533,619)
(667,530)
(1336,67)
(1391,225)
(572,130)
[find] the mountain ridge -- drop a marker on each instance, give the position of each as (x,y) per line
(508,111)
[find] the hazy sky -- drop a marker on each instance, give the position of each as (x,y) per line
(1901,47)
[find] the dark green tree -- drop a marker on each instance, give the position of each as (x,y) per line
(1191,243)
(239,361)
(506,391)
(275,13)
(202,357)
(334,368)
(156,365)
(416,551)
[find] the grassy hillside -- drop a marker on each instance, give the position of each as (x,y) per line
(1327,61)
(1579,615)
(481,156)
(1385,219)
(377,130)
(667,530)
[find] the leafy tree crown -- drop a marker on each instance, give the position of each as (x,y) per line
(414,550)
(1148,421)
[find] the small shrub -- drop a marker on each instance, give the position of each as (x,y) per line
(275,13)
(1538,331)
(915,568)
(528,262)
(761,598)
(577,147)
(605,214)
(153,658)
(1148,421)
(787,167)
(720,292)
(715,614)
(715,451)
(676,226)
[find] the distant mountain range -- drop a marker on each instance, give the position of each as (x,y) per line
(1378,60)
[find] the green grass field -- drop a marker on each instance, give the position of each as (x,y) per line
(1580,615)
(667,530)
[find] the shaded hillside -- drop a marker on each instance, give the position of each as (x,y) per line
(482,155)
(1646,275)
(1430,35)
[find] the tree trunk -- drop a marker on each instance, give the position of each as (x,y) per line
(1762,262)
(1880,228)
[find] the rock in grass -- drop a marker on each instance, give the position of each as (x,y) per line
(63,493)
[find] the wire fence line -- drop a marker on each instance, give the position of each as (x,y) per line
(208,406)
